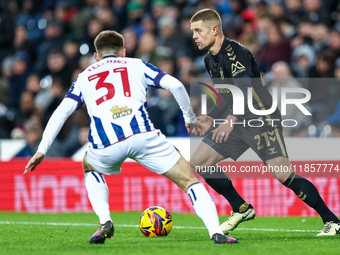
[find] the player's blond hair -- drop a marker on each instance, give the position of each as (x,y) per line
(209,16)
(109,43)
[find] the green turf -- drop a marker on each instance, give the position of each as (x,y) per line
(50,239)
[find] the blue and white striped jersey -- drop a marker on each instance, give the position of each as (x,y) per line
(115,90)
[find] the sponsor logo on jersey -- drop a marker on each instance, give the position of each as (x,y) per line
(237,68)
(120,111)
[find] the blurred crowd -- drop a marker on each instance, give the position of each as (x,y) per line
(45,44)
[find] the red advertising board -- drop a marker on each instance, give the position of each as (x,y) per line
(58,186)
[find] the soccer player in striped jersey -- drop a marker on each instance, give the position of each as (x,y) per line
(114,90)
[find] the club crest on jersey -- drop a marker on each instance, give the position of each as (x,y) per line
(237,68)
(120,111)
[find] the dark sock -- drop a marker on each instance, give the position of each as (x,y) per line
(308,193)
(222,184)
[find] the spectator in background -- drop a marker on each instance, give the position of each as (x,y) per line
(6,31)
(147,50)
(294,10)
(20,43)
(136,10)
(332,107)
(158,103)
(33,134)
(303,59)
(320,37)
(264,22)
(64,13)
(120,11)
(158,8)
(250,41)
(26,110)
(53,41)
(71,52)
(47,101)
(17,81)
(287,27)
(166,65)
(57,92)
(57,67)
(334,120)
(148,25)
(80,22)
(321,87)
(33,84)
(282,78)
(94,27)
(131,42)
(324,65)
(78,134)
(106,17)
(169,37)
(29,18)
(83,134)
(317,11)
(334,41)
(277,47)
(304,33)
(277,10)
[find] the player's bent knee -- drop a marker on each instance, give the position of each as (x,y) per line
(181,174)
(280,168)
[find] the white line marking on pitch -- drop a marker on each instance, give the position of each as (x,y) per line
(136,226)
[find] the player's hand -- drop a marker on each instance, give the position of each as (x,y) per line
(34,161)
(202,125)
(221,133)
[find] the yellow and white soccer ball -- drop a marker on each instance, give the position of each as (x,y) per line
(155,221)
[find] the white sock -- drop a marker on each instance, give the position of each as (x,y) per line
(205,208)
(98,194)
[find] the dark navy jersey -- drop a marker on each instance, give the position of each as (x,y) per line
(235,64)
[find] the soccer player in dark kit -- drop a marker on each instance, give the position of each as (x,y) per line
(232,63)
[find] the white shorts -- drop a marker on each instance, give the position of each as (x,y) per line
(150,149)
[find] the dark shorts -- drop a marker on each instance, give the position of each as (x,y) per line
(267,142)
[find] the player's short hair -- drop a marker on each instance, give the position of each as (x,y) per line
(208,16)
(109,43)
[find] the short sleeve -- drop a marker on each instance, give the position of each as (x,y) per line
(152,74)
(75,93)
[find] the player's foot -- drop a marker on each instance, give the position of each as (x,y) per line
(236,218)
(103,232)
(218,238)
(330,229)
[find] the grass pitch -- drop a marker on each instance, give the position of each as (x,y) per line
(68,234)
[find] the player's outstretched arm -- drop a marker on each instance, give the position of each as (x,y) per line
(55,123)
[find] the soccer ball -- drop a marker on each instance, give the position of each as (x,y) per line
(155,221)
